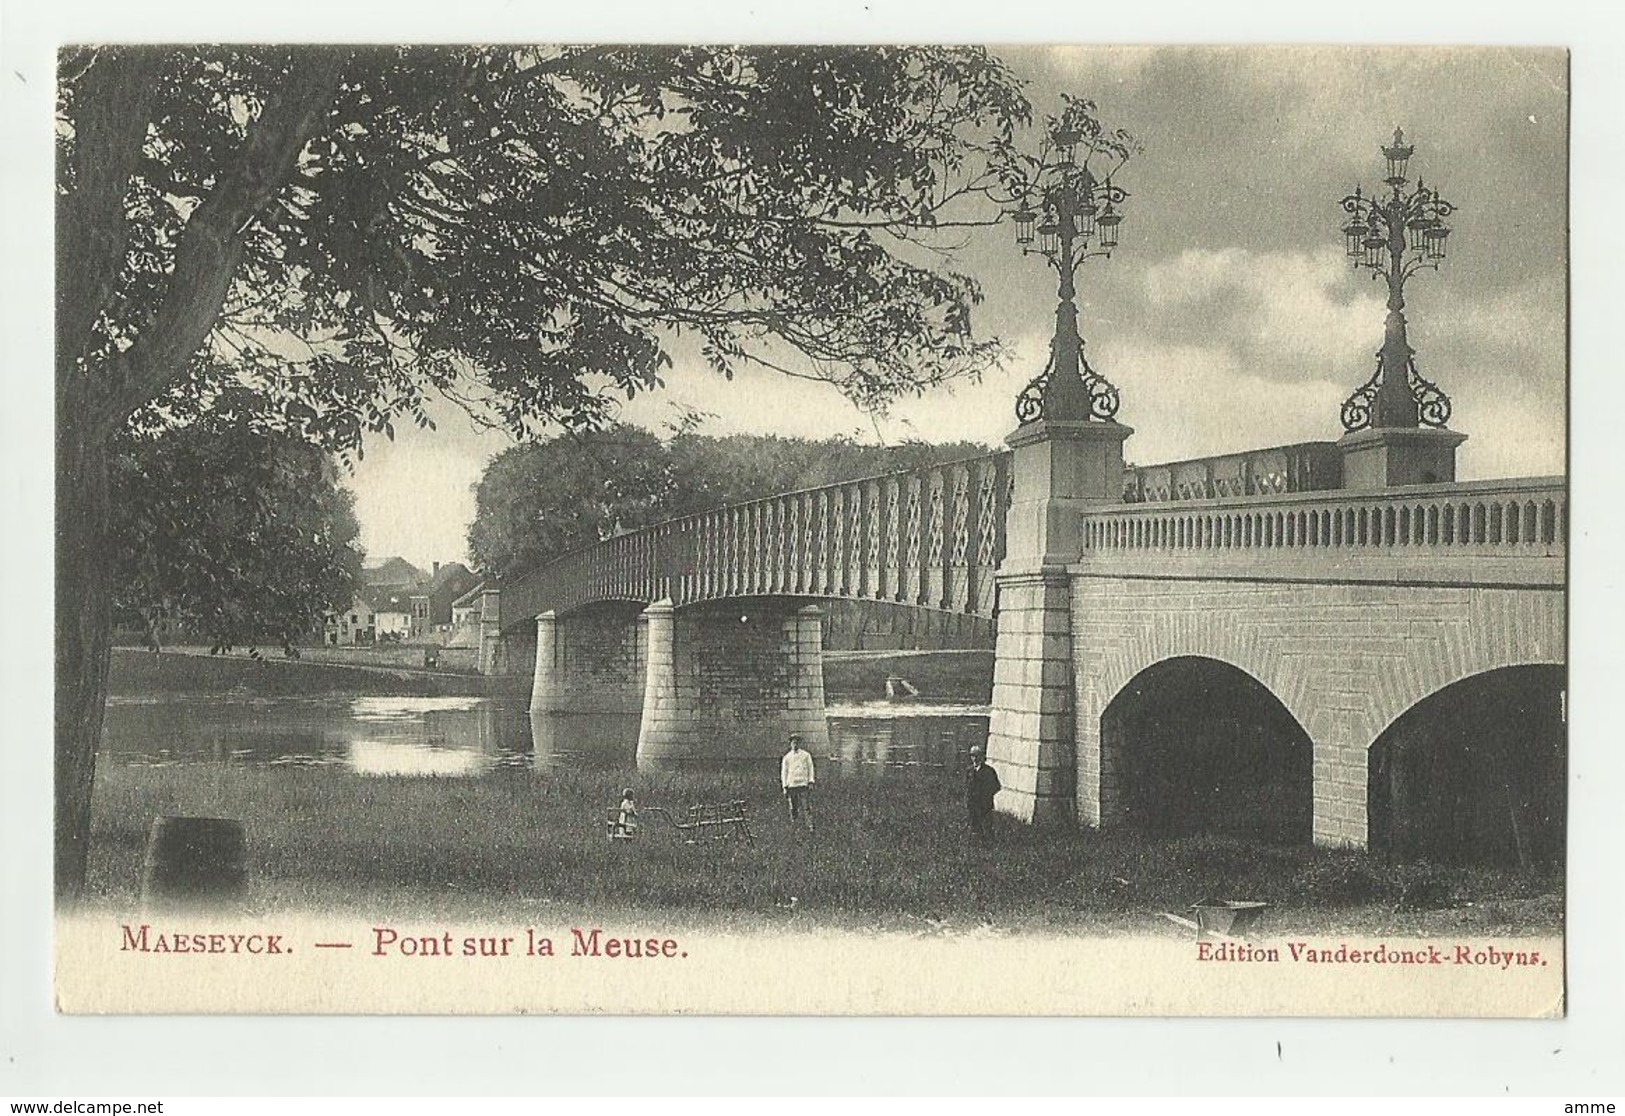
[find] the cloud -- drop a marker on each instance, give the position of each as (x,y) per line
(1229,319)
(1280,312)
(414,493)
(1197,400)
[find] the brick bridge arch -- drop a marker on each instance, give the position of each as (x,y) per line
(1476,771)
(1346,660)
(1195,744)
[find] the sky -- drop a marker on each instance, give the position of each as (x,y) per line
(1229,317)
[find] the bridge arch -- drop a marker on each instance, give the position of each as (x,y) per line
(1475,772)
(1346,659)
(1196,745)
(603,606)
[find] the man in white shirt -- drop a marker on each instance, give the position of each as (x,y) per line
(796,776)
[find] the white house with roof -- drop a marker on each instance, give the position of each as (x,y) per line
(466,608)
(391,611)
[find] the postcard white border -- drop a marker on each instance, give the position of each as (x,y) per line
(42,1053)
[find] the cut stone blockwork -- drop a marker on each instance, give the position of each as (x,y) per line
(1388,458)
(589,662)
(731,684)
(1058,469)
(1030,730)
(1345,660)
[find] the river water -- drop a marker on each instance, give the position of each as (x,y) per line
(469,737)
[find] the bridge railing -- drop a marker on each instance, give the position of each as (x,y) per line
(930,537)
(1301,467)
(1509,518)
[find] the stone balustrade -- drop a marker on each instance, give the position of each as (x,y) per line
(1526,516)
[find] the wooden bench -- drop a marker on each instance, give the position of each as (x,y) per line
(713,822)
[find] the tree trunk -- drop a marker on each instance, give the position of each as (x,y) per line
(83,637)
(95,403)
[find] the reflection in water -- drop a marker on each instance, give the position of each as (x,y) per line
(443,736)
(452,736)
(410,757)
(369,707)
(584,742)
(878,746)
(472,736)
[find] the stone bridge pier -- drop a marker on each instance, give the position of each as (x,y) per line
(709,682)
(1060,469)
(731,680)
(590,661)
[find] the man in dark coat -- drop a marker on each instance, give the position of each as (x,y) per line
(981,784)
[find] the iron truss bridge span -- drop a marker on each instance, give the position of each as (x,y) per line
(929,538)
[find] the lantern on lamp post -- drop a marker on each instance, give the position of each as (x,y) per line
(1068,210)
(1394,237)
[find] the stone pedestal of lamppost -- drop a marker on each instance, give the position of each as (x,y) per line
(1059,469)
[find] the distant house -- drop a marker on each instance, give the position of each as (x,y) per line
(391,612)
(466,608)
(353,627)
(432,602)
(398,601)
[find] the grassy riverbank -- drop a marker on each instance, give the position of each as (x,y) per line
(888,854)
(194,670)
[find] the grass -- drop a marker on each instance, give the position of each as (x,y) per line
(190,671)
(887,855)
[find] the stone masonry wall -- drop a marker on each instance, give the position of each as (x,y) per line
(731,683)
(1030,735)
(1345,660)
(593,662)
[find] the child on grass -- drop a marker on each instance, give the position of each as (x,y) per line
(626,822)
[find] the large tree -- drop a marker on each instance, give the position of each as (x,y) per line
(543,499)
(243,536)
(712,471)
(337,232)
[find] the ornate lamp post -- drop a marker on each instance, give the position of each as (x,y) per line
(1065,454)
(1069,212)
(1395,237)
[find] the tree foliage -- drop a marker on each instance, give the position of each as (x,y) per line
(242,536)
(541,500)
(529,229)
(712,471)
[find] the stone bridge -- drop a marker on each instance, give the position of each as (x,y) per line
(1311,642)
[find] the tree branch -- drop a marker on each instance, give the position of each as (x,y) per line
(212,246)
(112,99)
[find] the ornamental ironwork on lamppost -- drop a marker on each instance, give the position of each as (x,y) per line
(1068,212)
(1394,237)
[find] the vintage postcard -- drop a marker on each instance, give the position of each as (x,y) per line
(811,530)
